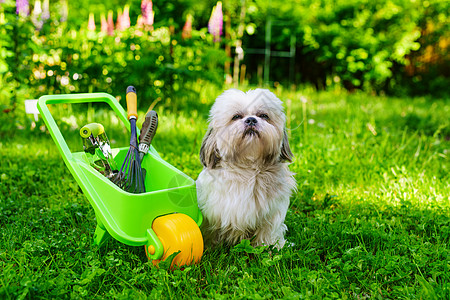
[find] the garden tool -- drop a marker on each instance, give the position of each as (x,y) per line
(130,177)
(98,150)
(148,131)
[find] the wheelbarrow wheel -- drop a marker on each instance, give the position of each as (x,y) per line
(178,232)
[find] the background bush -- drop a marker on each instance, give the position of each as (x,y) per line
(66,57)
(382,46)
(386,46)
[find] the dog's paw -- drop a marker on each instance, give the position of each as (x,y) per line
(289,244)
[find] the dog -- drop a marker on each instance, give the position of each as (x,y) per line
(244,188)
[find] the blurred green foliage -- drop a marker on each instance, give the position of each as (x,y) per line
(382,46)
(66,57)
(16,47)
(385,46)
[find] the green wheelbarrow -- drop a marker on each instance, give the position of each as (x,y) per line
(164,220)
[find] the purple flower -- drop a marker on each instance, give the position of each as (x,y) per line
(22,7)
(215,23)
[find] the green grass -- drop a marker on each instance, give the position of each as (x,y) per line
(371,218)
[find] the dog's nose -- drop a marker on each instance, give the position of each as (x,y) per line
(251,121)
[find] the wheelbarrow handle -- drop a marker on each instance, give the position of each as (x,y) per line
(69,99)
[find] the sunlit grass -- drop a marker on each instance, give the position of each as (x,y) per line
(370,218)
(377,147)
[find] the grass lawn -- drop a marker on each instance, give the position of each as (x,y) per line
(371,218)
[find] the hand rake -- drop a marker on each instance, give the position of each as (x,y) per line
(130,177)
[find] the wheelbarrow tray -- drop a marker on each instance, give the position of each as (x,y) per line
(125,216)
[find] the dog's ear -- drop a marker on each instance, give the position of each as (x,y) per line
(209,155)
(286,153)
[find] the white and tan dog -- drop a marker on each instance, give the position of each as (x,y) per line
(245,186)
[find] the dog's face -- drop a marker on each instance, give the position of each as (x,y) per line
(246,128)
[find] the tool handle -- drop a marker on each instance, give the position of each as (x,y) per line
(149,127)
(143,149)
(131,102)
(92,128)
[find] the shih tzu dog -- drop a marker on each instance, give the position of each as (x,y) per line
(245,186)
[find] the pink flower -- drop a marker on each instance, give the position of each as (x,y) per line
(119,19)
(110,29)
(104,24)
(126,17)
(187,28)
(123,19)
(215,23)
(91,24)
(147,13)
(140,22)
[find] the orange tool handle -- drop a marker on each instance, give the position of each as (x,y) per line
(131,102)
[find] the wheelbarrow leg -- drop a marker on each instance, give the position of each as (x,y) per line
(100,235)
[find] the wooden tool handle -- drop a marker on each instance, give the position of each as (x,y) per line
(131,102)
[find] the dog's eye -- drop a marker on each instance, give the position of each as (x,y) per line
(236,116)
(264,116)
